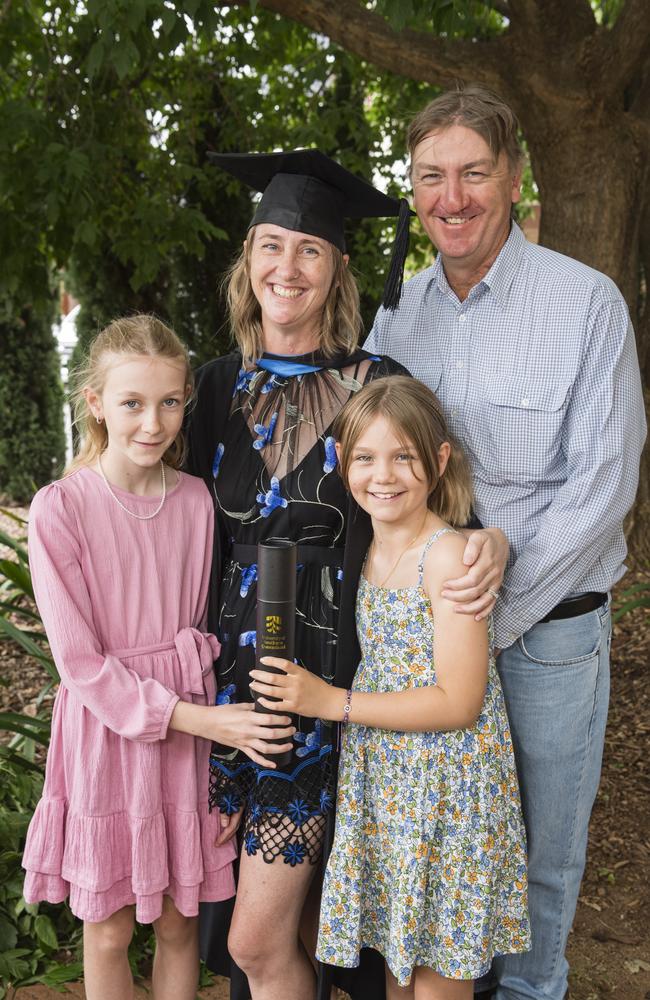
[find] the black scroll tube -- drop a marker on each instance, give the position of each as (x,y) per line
(276,614)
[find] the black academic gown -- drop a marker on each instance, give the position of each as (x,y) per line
(208,416)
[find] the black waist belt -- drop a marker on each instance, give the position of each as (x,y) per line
(320,554)
(576,606)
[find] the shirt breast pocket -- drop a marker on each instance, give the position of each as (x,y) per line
(522,424)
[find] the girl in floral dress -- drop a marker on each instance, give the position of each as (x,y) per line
(428,865)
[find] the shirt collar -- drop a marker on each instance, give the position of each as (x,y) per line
(502,273)
(500,276)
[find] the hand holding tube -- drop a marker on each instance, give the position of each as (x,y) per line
(291,688)
(237,726)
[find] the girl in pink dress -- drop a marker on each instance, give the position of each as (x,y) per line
(120,551)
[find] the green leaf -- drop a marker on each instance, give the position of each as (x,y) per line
(19,576)
(640,602)
(60,974)
(25,725)
(28,645)
(125,57)
(87,233)
(14,517)
(15,609)
(136,13)
(13,965)
(168,18)
(95,58)
(18,761)
(8,934)
(45,931)
(15,545)
(13,827)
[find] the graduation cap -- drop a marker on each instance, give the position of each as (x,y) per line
(307,192)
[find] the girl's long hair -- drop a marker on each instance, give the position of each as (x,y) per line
(416,417)
(341,325)
(136,335)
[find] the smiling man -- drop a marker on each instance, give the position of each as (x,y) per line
(532,355)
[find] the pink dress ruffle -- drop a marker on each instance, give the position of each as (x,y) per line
(124,815)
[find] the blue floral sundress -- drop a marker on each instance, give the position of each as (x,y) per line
(429,858)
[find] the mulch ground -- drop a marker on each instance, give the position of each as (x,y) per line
(609,946)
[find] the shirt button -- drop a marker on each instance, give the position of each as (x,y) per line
(462,317)
(525,401)
(454,412)
(459,364)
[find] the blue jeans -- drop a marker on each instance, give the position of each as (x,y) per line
(556,684)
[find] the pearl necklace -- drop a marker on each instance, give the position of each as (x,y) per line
(140,517)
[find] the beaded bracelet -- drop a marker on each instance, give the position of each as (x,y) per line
(346,718)
(347,707)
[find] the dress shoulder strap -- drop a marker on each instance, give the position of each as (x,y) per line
(427,545)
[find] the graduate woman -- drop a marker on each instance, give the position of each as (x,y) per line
(260,436)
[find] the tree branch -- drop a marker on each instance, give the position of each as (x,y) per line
(415,54)
(625,48)
(557,25)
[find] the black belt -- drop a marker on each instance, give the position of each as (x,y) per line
(320,554)
(576,606)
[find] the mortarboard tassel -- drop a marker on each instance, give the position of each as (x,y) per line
(395,278)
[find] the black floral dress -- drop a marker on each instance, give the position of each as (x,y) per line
(261,438)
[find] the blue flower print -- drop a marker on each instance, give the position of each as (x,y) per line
(298,811)
(248,639)
(248,576)
(325,801)
(269,501)
(330,455)
(274,381)
(311,740)
(256,813)
(251,843)
(294,854)
(229,803)
(226,696)
(218,455)
(444,890)
(265,433)
(243,380)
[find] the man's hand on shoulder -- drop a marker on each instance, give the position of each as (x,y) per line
(486,556)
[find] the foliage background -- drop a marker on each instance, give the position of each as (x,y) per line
(107,109)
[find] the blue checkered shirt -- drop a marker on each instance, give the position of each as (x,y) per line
(538,376)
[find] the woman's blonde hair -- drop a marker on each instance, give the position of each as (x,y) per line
(341,326)
(138,335)
(416,417)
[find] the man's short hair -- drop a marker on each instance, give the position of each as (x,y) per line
(474,107)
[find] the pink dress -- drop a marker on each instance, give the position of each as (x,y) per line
(124,814)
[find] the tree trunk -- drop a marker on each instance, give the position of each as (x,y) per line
(586,167)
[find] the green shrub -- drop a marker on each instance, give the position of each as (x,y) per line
(38,943)
(32,442)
